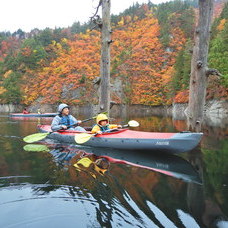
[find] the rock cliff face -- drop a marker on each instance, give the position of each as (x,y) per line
(216,112)
(178,111)
(218,108)
(10,108)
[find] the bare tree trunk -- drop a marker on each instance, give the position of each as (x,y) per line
(198,80)
(104,99)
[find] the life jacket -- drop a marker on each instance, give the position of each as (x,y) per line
(25,112)
(66,120)
(104,128)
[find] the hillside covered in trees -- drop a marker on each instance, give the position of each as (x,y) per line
(150,58)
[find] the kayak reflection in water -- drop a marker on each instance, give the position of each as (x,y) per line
(91,163)
(82,161)
(99,162)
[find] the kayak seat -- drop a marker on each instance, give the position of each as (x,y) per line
(112,130)
(88,128)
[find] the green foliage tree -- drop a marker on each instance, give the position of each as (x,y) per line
(1,68)
(4,36)
(187,63)
(45,37)
(170,12)
(176,79)
(131,11)
(19,34)
(77,27)
(216,166)
(12,86)
(223,15)
(35,52)
(218,53)
(59,34)
(182,67)
(10,63)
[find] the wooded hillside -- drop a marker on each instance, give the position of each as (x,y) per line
(150,58)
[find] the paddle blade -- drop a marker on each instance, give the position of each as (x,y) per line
(133,123)
(82,138)
(36,148)
(35,137)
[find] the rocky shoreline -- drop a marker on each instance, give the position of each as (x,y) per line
(215,111)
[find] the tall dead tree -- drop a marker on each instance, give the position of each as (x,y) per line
(104,99)
(199,68)
(104,24)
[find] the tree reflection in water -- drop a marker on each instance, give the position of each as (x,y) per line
(202,206)
(120,188)
(146,191)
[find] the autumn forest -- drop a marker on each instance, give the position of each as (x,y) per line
(150,58)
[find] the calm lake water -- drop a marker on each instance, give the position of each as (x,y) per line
(57,185)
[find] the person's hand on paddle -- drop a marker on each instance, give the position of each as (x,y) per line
(64,127)
(79,122)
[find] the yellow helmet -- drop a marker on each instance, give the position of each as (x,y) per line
(101,117)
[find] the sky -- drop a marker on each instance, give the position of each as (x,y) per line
(30,14)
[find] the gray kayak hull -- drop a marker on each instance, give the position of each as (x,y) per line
(172,143)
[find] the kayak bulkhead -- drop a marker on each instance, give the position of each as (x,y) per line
(125,139)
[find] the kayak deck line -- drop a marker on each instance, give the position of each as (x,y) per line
(125,139)
(121,133)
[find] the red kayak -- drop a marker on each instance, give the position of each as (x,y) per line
(125,139)
(33,115)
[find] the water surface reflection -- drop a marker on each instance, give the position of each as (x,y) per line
(56,187)
(113,193)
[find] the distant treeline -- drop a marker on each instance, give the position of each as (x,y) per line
(151,56)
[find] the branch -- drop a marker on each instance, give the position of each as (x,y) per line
(97,22)
(112,103)
(97,8)
(211,71)
(97,80)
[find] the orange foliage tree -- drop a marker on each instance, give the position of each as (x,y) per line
(71,70)
(139,61)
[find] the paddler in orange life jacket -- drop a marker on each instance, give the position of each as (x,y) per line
(103,125)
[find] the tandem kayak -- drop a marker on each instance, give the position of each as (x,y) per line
(33,115)
(125,139)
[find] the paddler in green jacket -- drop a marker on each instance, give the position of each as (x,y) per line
(103,124)
(65,121)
